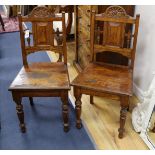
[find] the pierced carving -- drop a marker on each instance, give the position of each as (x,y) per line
(115,12)
(41,12)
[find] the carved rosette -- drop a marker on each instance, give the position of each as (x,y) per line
(115,12)
(41,12)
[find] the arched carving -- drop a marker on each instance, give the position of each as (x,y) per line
(115,12)
(41,12)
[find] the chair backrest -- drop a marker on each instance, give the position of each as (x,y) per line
(112,35)
(42,36)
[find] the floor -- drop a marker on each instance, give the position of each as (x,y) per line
(43,120)
(102,118)
(104,127)
(152,124)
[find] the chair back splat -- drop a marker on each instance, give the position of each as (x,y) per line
(42,79)
(42,37)
(112,32)
(111,35)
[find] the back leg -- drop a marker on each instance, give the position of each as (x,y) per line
(91,99)
(31,101)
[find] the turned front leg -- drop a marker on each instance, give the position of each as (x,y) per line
(20,112)
(64,99)
(123,112)
(78,103)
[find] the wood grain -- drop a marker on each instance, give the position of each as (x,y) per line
(102,127)
(97,79)
(41,79)
(42,76)
(105,78)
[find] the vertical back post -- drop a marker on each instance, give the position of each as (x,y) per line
(64,38)
(135,41)
(92,30)
(22,40)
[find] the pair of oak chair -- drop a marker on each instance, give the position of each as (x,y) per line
(97,79)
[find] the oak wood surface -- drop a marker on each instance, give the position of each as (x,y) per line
(48,76)
(97,79)
(105,78)
(101,118)
(82,36)
(41,79)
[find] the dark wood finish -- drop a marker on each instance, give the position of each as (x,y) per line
(82,37)
(117,79)
(2,23)
(107,56)
(105,79)
(128,8)
(41,79)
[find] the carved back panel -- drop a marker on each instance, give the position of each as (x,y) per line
(113,33)
(41,38)
(42,33)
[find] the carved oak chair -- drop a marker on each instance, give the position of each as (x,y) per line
(42,79)
(104,79)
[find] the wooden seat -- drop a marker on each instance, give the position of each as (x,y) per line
(41,79)
(104,79)
(42,76)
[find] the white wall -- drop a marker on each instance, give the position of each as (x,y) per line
(145,54)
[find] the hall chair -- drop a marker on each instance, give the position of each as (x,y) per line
(105,79)
(41,79)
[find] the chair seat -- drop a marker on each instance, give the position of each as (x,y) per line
(106,78)
(43,76)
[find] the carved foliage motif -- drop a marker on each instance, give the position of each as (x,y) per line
(116,12)
(41,12)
